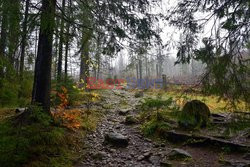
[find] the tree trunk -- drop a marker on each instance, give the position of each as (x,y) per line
(67,44)
(42,80)
(157,70)
(137,71)
(61,41)
(140,69)
(14,18)
(55,58)
(3,38)
(146,62)
(84,69)
(98,57)
(24,36)
(66,58)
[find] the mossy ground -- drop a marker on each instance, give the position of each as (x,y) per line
(171,112)
(41,141)
(214,103)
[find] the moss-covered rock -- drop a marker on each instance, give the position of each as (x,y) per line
(195,114)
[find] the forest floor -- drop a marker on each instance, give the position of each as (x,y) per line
(142,151)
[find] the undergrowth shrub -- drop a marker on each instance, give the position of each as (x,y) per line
(156,115)
(156,103)
(156,125)
(74,95)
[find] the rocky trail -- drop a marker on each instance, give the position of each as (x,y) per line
(117,143)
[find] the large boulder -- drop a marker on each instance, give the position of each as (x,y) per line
(116,139)
(195,114)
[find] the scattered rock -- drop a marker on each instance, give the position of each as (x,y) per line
(99,155)
(112,150)
(236,163)
(139,94)
(165,163)
(145,156)
(124,112)
(179,154)
(247,156)
(140,158)
(116,139)
(194,114)
(130,120)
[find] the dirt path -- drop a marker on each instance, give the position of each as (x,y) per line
(140,152)
(139,148)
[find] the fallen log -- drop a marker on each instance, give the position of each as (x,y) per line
(205,140)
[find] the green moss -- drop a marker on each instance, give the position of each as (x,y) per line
(156,103)
(156,124)
(35,142)
(155,128)
(194,114)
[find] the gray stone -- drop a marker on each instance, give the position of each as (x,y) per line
(145,156)
(140,158)
(124,112)
(116,139)
(112,150)
(179,154)
(99,155)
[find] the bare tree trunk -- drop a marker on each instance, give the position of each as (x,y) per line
(3,38)
(59,67)
(66,59)
(13,31)
(140,69)
(157,70)
(55,58)
(146,62)
(24,37)
(67,44)
(137,71)
(42,80)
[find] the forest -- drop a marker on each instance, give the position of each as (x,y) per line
(135,83)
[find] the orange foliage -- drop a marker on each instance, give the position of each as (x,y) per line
(67,118)
(63,98)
